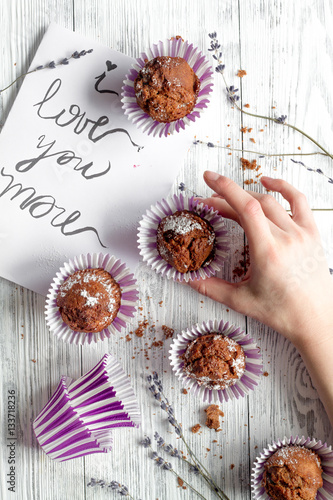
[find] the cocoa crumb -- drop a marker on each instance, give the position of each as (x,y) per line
(157,343)
(246,105)
(196,428)
(168,332)
(250,130)
(128,338)
(141,328)
(34,361)
(180,481)
(265,374)
(241,73)
(248,181)
(261,130)
(184,391)
(243,129)
(232,466)
(299,148)
(249,165)
(208,449)
(252,140)
(241,269)
(213,413)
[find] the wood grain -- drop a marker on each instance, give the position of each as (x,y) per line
(286,49)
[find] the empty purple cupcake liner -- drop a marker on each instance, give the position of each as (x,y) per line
(147,234)
(107,387)
(201,67)
(79,418)
(253,361)
(323,451)
(62,434)
(129,297)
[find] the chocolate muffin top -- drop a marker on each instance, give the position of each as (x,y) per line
(89,300)
(214,361)
(292,473)
(185,241)
(166,88)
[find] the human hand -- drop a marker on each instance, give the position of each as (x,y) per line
(288,286)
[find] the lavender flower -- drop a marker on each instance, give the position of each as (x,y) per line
(181,186)
(113,485)
(195,469)
(159,439)
(331,270)
(146,442)
(281,119)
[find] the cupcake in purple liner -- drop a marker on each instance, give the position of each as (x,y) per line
(91,297)
(167,88)
(62,434)
(79,418)
(183,239)
(234,376)
(305,470)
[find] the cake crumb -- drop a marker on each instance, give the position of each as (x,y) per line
(248,181)
(252,140)
(213,413)
(246,105)
(141,328)
(232,466)
(265,374)
(180,482)
(34,361)
(196,428)
(241,73)
(168,332)
(184,391)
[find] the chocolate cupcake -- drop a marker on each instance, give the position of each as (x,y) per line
(292,472)
(166,88)
(214,361)
(183,239)
(293,468)
(186,241)
(89,300)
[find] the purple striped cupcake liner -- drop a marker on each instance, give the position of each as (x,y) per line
(253,361)
(324,452)
(147,234)
(201,67)
(129,296)
(62,434)
(107,388)
(79,418)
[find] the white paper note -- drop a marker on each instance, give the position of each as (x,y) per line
(75,174)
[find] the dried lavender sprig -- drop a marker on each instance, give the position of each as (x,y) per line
(215,47)
(212,145)
(167,466)
(113,485)
(167,407)
(51,65)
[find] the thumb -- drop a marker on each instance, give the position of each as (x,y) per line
(233,295)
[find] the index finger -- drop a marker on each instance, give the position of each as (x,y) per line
(250,213)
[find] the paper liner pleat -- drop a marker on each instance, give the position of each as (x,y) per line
(253,362)
(323,451)
(128,303)
(79,417)
(200,65)
(147,234)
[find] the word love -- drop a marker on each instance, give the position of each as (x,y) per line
(76,118)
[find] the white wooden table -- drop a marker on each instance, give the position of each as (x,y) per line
(286,49)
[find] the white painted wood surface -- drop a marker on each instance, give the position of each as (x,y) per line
(286,49)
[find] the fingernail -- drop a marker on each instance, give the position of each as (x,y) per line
(211,176)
